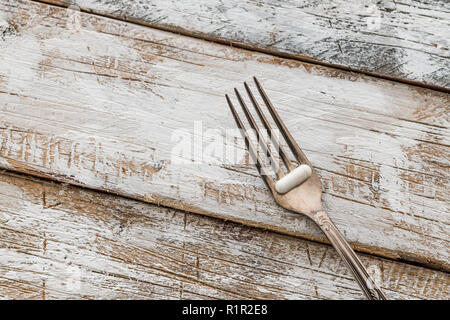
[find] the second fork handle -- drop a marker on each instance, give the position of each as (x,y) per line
(368,286)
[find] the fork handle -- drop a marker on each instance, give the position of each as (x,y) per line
(367,284)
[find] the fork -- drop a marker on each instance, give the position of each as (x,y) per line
(305,198)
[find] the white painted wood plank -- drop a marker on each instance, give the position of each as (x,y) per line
(401,39)
(98,106)
(60,242)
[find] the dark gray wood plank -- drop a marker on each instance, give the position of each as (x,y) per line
(405,40)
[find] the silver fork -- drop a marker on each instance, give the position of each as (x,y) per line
(304,198)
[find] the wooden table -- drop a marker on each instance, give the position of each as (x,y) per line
(93,204)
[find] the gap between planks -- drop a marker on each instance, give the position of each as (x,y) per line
(38,176)
(239,44)
(80,247)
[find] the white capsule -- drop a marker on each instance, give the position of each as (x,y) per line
(293,179)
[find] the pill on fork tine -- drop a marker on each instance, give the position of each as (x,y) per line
(293,179)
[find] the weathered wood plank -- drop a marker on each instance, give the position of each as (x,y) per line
(397,39)
(98,106)
(59,241)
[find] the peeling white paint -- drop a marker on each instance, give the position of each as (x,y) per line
(81,248)
(401,40)
(100,126)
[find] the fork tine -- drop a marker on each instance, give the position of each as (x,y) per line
(254,126)
(298,153)
(263,118)
(259,164)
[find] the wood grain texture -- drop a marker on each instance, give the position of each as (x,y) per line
(97,106)
(399,39)
(58,241)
